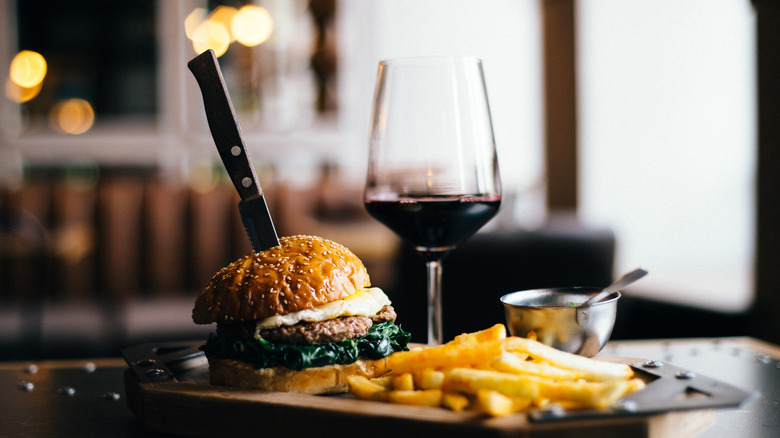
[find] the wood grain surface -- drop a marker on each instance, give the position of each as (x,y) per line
(192,407)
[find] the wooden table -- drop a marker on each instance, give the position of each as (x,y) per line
(87,397)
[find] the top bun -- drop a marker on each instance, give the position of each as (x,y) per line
(301,273)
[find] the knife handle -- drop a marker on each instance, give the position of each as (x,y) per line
(224,126)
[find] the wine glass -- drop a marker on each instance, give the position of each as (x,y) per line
(432,171)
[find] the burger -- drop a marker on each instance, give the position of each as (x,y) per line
(298,317)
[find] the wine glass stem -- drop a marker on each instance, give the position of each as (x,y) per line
(434,302)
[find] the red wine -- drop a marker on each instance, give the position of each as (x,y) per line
(434,225)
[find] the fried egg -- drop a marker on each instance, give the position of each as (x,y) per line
(364,302)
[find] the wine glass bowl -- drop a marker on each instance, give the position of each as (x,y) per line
(432,172)
(434,225)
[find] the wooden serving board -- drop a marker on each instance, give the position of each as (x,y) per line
(189,406)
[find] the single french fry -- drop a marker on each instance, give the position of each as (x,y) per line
(423,397)
(365,389)
(591,369)
(403,382)
(497,404)
(493,403)
(521,404)
(454,401)
(469,380)
(635,385)
(622,390)
(512,363)
(597,395)
(429,379)
(386,381)
(442,356)
(495,333)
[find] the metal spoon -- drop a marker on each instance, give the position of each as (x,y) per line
(618,284)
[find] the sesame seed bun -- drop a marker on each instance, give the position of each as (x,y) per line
(301,273)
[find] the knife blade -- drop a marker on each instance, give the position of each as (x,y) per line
(226,132)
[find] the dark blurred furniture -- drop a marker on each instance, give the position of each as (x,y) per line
(93,258)
(22,259)
(96,258)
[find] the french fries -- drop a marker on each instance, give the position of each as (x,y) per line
(454,401)
(469,381)
(592,369)
(495,333)
(496,404)
(513,363)
(429,379)
(365,389)
(422,397)
(403,382)
(465,354)
(488,372)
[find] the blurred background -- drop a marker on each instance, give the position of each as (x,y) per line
(628,135)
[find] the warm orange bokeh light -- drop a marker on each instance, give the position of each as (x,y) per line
(193,20)
(27,69)
(211,35)
(223,15)
(20,94)
(252,25)
(72,116)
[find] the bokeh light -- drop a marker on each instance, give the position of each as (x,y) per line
(72,116)
(211,35)
(223,15)
(252,25)
(27,69)
(193,20)
(19,94)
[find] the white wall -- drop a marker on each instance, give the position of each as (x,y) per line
(667,137)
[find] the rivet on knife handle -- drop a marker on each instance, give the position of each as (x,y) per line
(227,137)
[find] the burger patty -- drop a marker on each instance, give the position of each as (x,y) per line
(331,330)
(316,333)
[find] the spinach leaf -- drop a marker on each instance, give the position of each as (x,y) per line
(381,340)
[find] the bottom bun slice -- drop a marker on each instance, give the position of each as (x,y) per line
(329,379)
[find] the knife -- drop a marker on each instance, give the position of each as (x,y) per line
(227,136)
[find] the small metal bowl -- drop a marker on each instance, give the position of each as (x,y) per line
(553,315)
